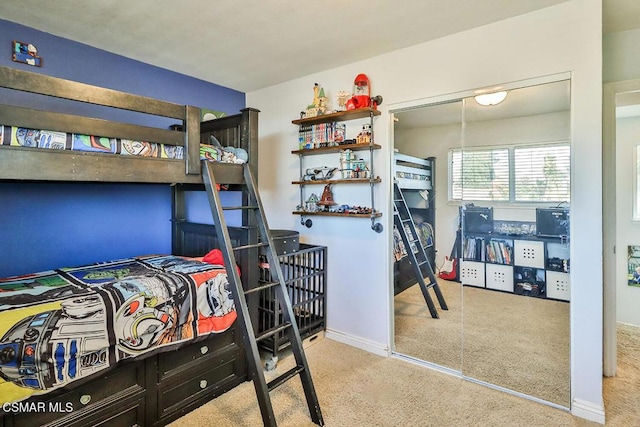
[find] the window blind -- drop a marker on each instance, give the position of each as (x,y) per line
(542,173)
(539,173)
(480,174)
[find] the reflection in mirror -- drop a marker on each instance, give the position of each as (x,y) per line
(499,207)
(511,179)
(421,136)
(627,113)
(622,318)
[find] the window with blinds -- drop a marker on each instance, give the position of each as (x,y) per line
(539,173)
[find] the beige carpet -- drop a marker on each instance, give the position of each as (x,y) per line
(356,388)
(418,335)
(622,393)
(516,342)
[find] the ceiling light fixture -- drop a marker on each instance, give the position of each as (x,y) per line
(494,98)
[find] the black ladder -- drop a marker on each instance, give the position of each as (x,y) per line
(415,251)
(288,325)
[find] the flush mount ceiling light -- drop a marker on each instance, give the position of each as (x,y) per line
(494,98)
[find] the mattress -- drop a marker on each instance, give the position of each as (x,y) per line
(63,325)
(46,139)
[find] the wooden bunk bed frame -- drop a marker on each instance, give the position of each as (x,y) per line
(158,389)
(403,274)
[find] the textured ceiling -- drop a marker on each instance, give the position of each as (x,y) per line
(251,44)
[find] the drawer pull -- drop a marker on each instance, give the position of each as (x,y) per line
(203,384)
(204,349)
(85,398)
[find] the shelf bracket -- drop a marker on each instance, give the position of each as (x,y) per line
(306,222)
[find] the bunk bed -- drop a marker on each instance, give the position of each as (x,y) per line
(200,355)
(415,178)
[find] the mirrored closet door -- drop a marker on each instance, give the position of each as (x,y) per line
(420,136)
(501,198)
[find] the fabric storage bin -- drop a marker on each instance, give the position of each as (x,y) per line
(472,273)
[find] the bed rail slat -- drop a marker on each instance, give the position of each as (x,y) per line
(57,165)
(28,81)
(48,120)
(192,140)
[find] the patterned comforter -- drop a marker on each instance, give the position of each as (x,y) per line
(62,325)
(13,136)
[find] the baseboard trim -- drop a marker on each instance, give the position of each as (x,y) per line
(362,344)
(588,411)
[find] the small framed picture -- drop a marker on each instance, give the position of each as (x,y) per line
(26,53)
(633,269)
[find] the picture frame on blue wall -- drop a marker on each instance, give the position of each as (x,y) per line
(25,53)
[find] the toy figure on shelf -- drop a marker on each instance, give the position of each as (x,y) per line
(311,205)
(360,169)
(327,197)
(342,98)
(364,137)
(362,95)
(318,174)
(319,105)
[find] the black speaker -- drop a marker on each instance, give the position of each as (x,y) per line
(477,219)
(552,222)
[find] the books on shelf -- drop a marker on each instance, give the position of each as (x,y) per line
(473,249)
(493,250)
(321,135)
(500,251)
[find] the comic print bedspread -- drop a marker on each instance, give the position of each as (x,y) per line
(62,325)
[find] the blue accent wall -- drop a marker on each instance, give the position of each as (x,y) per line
(52,225)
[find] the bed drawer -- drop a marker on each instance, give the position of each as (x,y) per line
(180,394)
(173,362)
(129,412)
(125,381)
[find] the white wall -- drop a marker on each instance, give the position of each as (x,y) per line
(621,61)
(567,37)
(628,231)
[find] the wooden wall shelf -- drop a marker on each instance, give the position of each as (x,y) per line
(340,116)
(344,215)
(340,181)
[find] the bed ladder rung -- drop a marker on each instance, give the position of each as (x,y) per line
(251,246)
(271,332)
(237,208)
(261,287)
(286,321)
(281,379)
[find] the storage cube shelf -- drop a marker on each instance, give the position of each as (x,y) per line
(527,266)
